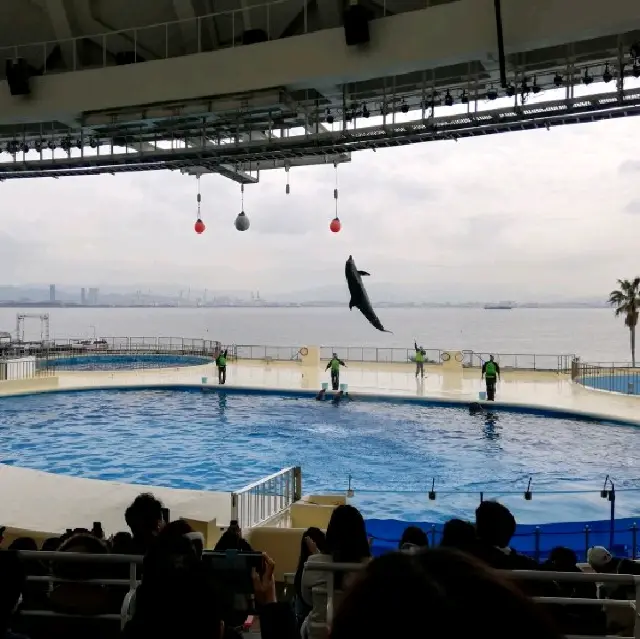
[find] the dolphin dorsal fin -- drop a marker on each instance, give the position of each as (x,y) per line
(364,273)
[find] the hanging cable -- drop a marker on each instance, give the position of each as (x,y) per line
(199,226)
(242,221)
(335,225)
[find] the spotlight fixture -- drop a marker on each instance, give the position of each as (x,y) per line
(348,116)
(525,89)
(606,76)
(79,145)
(464,98)
(37,146)
(586,78)
(24,147)
(634,51)
(636,69)
(448,99)
(511,91)
(329,117)
(66,144)
(557,80)
(51,145)
(365,111)
(534,87)
(405,107)
(94,143)
(492,94)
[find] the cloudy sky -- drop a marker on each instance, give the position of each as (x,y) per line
(517,216)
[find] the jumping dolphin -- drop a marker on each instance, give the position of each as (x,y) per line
(359,297)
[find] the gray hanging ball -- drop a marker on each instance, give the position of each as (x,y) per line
(242,222)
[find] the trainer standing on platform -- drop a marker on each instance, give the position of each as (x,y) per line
(491,374)
(335,365)
(221,363)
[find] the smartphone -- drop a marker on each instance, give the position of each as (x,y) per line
(232,570)
(165,515)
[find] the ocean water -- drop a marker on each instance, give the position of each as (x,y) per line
(392,451)
(593,334)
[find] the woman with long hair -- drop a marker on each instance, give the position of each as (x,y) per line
(313,538)
(346,542)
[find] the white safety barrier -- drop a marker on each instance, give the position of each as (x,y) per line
(266,498)
(78,557)
(324,608)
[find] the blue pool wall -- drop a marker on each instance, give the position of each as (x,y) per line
(532,540)
(97,361)
(387,533)
(626,383)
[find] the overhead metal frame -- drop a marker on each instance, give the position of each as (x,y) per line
(336,146)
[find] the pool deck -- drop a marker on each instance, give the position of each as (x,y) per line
(40,501)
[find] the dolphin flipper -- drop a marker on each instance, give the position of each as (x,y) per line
(361,273)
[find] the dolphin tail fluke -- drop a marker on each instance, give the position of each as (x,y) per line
(386,331)
(361,273)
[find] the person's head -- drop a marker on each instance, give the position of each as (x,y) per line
(144,515)
(335,356)
(491,359)
(459,534)
(454,595)
(23,543)
(563,559)
(177,594)
(495,525)
(413,538)
(80,543)
(121,543)
(600,559)
(347,539)
(231,538)
(319,539)
(12,582)
(51,544)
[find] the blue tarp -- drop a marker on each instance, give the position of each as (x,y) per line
(532,540)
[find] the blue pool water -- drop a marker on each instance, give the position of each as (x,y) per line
(96,362)
(224,440)
(623,383)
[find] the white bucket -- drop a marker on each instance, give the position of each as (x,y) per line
(205,380)
(482,396)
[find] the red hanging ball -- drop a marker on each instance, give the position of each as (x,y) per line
(335,225)
(199,226)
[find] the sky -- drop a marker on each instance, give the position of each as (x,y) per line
(530,215)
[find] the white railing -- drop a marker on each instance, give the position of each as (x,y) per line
(167,39)
(266,498)
(319,629)
(76,557)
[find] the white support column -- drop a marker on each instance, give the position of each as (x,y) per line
(60,22)
(189,24)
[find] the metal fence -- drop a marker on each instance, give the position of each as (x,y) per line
(613,378)
(365,354)
(268,497)
(324,595)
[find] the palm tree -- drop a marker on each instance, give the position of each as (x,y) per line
(626,301)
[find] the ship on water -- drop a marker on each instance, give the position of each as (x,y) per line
(500,306)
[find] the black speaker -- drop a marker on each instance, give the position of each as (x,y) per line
(17,72)
(356,25)
(254,36)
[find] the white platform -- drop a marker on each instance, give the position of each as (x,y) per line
(36,500)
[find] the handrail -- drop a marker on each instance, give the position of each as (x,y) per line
(267,498)
(133,30)
(319,628)
(615,377)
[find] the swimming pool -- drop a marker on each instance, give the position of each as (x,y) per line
(617,383)
(392,450)
(97,362)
